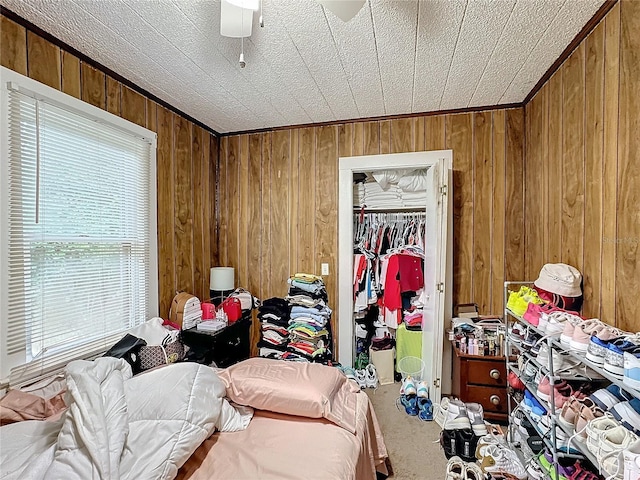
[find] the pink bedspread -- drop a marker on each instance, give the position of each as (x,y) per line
(281,447)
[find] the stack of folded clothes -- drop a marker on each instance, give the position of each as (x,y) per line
(309,324)
(274,315)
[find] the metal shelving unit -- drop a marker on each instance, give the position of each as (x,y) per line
(552,344)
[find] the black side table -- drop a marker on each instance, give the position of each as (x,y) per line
(224,347)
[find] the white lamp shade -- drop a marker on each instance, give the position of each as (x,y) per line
(222,278)
(345,10)
(235,22)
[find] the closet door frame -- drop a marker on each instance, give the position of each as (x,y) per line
(347,166)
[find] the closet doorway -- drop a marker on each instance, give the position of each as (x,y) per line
(438,261)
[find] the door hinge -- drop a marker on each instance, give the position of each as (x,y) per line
(436,383)
(443,190)
(440,287)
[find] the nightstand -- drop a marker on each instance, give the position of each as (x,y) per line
(481,379)
(224,347)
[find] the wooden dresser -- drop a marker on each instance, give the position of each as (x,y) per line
(482,380)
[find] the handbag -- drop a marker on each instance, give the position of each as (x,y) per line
(128,348)
(247,301)
(232,309)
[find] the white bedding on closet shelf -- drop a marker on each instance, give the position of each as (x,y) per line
(119,427)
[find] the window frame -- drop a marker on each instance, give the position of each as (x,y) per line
(10,80)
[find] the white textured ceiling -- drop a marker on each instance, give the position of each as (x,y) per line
(306,65)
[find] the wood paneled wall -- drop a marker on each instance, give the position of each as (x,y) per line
(278,210)
(187,156)
(582,172)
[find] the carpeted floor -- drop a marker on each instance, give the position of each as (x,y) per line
(412,444)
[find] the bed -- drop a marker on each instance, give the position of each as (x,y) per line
(279,446)
(296,421)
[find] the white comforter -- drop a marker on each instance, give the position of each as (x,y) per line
(119,427)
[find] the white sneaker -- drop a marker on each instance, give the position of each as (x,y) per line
(473,472)
(455,469)
(361,378)
(596,428)
(613,444)
(501,460)
(457,417)
(408,387)
(476,417)
(632,461)
(440,411)
(371,380)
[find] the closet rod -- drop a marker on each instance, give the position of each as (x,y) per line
(389,210)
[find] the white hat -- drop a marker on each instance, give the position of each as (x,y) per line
(560,279)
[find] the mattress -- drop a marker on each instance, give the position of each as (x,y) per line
(285,447)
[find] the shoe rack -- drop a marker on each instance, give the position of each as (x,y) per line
(550,437)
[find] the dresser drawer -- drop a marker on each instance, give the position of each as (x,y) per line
(492,399)
(481,372)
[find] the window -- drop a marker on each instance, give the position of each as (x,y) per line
(78,228)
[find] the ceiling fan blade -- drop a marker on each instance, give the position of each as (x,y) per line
(345,10)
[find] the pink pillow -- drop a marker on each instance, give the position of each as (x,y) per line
(293,388)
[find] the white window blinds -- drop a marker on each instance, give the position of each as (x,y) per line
(81,235)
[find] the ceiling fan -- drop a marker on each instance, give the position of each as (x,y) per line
(345,10)
(236,16)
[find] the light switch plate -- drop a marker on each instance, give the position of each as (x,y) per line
(325,269)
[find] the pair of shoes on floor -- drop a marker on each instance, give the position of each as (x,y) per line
(457,469)
(365,378)
(414,397)
(462,415)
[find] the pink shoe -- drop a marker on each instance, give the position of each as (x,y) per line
(573,321)
(582,333)
(535,311)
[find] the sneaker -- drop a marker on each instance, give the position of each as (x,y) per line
(628,414)
(532,405)
(612,444)
(631,364)
(473,472)
(530,340)
(582,334)
(425,409)
(556,323)
(573,321)
(570,412)
(502,461)
(466,444)
(476,417)
(586,416)
(614,357)
(485,442)
(549,466)
(631,457)
(582,474)
(605,398)
(409,403)
(455,469)
(457,417)
(595,429)
(440,413)
(361,378)
(597,347)
(535,471)
(371,376)
(408,387)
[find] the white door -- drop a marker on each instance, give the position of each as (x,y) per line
(435,277)
(438,276)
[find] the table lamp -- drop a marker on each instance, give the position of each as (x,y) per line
(221,283)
